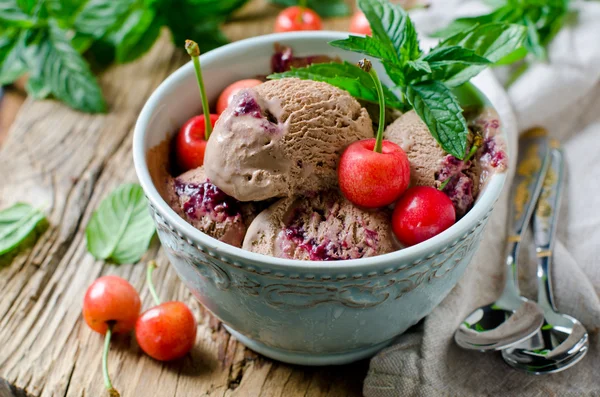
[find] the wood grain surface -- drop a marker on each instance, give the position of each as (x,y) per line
(66,162)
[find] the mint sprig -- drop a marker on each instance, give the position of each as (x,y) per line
(424,81)
(50,40)
(542,20)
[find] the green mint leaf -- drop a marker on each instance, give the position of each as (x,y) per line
(325,8)
(20,225)
(443,56)
(64,10)
(532,40)
(437,106)
(491,41)
(97,17)
(121,229)
(461,25)
(365,45)
(346,76)
(68,75)
(393,28)
(12,65)
(13,14)
(137,35)
(420,66)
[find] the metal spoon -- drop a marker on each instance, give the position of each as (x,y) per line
(512,318)
(562,341)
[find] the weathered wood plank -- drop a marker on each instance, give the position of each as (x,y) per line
(66,162)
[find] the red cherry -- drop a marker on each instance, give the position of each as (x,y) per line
(229,92)
(421,213)
(297,18)
(167,331)
(370,179)
(110,299)
(110,305)
(359,24)
(190,143)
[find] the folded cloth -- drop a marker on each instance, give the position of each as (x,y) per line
(564,97)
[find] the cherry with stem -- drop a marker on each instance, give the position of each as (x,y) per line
(166,331)
(374,172)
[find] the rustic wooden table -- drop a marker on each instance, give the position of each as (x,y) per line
(67,162)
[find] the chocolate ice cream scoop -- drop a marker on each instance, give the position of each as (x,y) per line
(283,138)
(430,165)
(323,227)
(208,208)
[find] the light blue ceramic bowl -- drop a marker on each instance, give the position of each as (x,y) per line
(311,313)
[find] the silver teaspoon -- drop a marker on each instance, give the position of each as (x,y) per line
(512,318)
(562,341)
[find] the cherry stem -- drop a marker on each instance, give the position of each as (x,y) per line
(302,6)
(111,390)
(194,51)
(477,141)
(367,66)
(151,266)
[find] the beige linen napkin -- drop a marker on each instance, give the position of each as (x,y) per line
(564,97)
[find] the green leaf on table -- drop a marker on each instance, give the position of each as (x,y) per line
(97,17)
(13,14)
(346,76)
(121,229)
(391,25)
(437,106)
(137,35)
(491,41)
(20,225)
(68,75)
(325,8)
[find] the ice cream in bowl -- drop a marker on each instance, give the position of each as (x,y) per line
(265,233)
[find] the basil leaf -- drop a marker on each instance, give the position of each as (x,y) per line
(492,41)
(346,76)
(532,41)
(325,8)
(98,16)
(365,45)
(137,35)
(19,226)
(437,106)
(68,75)
(121,229)
(393,28)
(12,14)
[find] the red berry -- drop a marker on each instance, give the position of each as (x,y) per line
(421,213)
(370,179)
(111,299)
(190,143)
(359,24)
(229,92)
(297,18)
(167,331)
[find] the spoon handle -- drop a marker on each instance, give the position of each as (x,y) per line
(532,164)
(545,220)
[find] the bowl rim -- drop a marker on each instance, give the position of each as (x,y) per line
(223,250)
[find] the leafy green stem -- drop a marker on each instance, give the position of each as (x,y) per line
(477,142)
(367,66)
(107,382)
(194,51)
(151,266)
